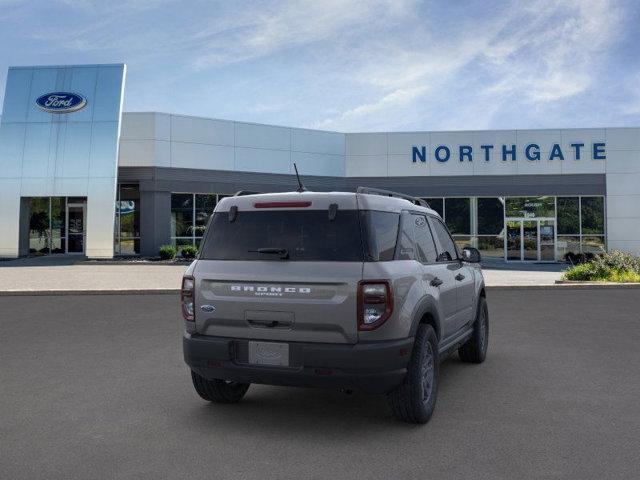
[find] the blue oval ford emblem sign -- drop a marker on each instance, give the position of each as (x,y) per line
(61,102)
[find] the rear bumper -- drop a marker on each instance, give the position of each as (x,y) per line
(374,367)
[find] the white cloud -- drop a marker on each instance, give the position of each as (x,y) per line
(534,55)
(286,24)
(352,64)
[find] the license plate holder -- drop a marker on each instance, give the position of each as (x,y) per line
(269,353)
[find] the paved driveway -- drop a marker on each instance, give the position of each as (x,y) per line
(94,387)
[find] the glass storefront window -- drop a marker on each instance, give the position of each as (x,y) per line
(181,214)
(204,208)
(58,216)
(190,213)
(567,244)
(182,242)
(592,214)
(48,224)
(568,215)
(530,207)
(127,227)
(593,244)
(129,211)
(490,216)
(39,225)
(491,246)
(457,214)
(436,204)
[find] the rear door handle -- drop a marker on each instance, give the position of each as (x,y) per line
(436,282)
(460,277)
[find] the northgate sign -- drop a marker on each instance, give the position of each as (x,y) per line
(531,152)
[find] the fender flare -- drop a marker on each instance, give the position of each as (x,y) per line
(427,306)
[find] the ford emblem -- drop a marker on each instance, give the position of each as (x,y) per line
(61,102)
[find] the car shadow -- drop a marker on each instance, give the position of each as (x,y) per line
(308,411)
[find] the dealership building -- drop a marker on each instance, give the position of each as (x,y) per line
(79,176)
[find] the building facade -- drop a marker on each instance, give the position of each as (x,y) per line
(521,195)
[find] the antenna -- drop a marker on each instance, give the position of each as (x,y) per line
(300,185)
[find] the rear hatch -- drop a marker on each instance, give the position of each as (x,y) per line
(281,267)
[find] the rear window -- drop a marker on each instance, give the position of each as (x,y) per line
(306,235)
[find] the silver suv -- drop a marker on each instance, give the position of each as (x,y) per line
(356,291)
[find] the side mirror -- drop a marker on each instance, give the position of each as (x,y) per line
(471,255)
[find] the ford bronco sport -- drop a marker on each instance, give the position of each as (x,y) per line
(356,291)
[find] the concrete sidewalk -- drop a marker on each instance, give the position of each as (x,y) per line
(498,273)
(64,274)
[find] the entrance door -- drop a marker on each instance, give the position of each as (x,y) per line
(547,240)
(75,227)
(513,240)
(530,240)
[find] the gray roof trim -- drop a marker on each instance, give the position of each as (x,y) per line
(228,182)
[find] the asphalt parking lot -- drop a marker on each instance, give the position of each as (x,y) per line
(95,387)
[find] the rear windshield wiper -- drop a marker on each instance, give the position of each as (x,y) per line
(284,254)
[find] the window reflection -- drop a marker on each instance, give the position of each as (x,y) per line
(127,226)
(490,216)
(568,215)
(457,214)
(530,207)
(592,211)
(190,213)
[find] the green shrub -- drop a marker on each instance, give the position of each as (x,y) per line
(579,272)
(188,252)
(167,252)
(607,267)
(617,260)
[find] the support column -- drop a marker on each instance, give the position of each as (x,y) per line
(155,221)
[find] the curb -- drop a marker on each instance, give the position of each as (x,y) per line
(566,286)
(176,291)
(179,263)
(23,293)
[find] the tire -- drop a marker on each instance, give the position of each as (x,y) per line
(219,391)
(475,349)
(415,400)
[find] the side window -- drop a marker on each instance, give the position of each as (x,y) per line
(424,241)
(447,250)
(383,232)
(406,250)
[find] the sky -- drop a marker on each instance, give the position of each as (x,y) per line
(351,65)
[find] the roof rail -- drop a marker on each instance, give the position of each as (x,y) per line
(242,193)
(389,193)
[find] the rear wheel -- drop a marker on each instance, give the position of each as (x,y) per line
(219,391)
(475,349)
(415,400)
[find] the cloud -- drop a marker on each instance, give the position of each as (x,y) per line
(342,64)
(397,98)
(285,25)
(551,57)
(535,55)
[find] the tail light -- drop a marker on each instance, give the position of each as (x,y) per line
(375,303)
(186,298)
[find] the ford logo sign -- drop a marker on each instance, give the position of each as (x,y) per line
(61,102)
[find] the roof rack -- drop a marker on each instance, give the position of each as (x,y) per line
(389,193)
(242,193)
